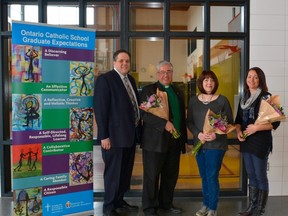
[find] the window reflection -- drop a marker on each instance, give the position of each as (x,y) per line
(146,16)
(103,16)
(104,54)
(189,178)
(227,19)
(28,13)
(225,61)
(186,54)
(63,15)
(104,61)
(186,17)
(145,53)
(185,57)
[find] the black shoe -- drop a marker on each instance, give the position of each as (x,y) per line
(173,210)
(111,213)
(151,214)
(128,207)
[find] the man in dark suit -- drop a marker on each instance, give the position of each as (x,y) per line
(118,125)
(161,152)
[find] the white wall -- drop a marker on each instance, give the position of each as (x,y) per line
(269,51)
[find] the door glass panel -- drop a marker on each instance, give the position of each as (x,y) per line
(63,15)
(225,60)
(186,17)
(137,174)
(8,86)
(28,13)
(104,61)
(146,16)
(227,19)
(103,16)
(229,176)
(189,177)
(104,54)
(184,56)
(145,54)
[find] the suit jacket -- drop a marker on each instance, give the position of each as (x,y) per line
(113,110)
(154,136)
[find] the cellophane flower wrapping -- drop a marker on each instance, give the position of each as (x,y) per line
(270,111)
(214,123)
(157,104)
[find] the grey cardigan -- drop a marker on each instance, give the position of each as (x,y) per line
(196,116)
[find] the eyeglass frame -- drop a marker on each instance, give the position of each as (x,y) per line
(162,73)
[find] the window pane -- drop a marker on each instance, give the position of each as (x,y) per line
(186,17)
(189,178)
(227,19)
(28,13)
(184,56)
(145,54)
(104,61)
(8,100)
(229,176)
(103,16)
(63,15)
(226,61)
(146,16)
(98,166)
(104,54)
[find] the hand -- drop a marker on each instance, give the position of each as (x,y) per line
(240,136)
(170,127)
(209,136)
(105,143)
(251,129)
(201,137)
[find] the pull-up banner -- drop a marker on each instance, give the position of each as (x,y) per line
(52,119)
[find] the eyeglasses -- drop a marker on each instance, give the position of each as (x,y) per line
(162,73)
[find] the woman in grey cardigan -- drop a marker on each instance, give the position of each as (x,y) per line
(210,156)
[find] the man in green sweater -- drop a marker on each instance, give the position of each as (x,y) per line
(161,150)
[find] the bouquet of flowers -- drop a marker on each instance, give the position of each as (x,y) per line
(216,123)
(270,111)
(157,104)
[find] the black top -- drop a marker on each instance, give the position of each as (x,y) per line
(259,143)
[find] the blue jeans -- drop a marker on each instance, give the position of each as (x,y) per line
(256,169)
(209,163)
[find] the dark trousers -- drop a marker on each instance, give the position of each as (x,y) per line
(256,169)
(117,175)
(163,166)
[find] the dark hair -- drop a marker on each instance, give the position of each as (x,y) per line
(261,76)
(115,55)
(204,75)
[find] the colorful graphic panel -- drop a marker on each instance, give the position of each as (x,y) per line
(52,119)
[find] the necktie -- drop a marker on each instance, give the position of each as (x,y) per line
(132,98)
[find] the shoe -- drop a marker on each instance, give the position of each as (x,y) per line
(173,210)
(128,207)
(111,213)
(151,214)
(203,211)
(212,213)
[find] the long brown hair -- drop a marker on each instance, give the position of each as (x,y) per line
(261,76)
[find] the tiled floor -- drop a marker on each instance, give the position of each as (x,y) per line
(228,206)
